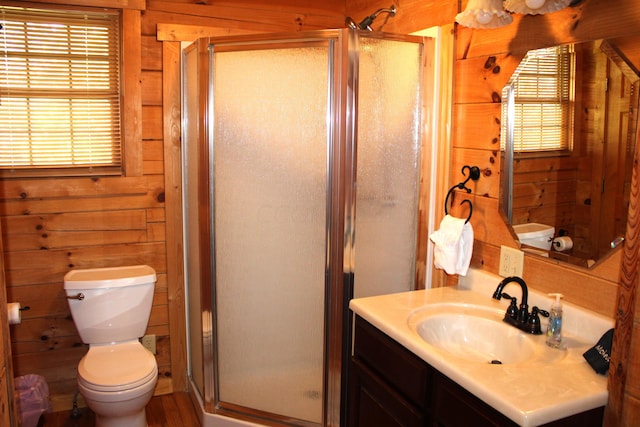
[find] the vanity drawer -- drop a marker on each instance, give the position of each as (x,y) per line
(401,369)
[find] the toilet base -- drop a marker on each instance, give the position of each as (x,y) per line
(124,409)
(131,420)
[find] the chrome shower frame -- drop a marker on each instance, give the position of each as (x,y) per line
(340,230)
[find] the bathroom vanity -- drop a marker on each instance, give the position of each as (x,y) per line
(401,377)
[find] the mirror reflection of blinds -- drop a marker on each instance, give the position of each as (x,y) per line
(59,90)
(543,100)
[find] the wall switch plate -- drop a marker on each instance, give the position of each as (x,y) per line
(149,342)
(511,262)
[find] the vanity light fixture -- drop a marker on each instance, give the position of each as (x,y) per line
(535,7)
(484,14)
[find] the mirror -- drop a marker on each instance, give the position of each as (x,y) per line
(568,139)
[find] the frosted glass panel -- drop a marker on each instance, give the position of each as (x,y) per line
(388,166)
(191,222)
(270,162)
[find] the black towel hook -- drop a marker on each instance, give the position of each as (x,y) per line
(474,174)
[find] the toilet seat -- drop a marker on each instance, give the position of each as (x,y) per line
(117,367)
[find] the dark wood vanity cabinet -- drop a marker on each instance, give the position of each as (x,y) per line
(392,387)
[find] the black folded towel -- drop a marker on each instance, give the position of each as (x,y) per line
(598,355)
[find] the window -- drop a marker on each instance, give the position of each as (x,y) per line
(59,92)
(543,100)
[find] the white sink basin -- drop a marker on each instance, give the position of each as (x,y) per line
(478,334)
(476,338)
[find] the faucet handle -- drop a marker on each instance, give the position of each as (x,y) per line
(544,313)
(533,323)
(512,310)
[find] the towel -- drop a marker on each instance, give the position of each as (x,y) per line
(598,355)
(453,245)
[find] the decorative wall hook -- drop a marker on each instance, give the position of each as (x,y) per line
(474,174)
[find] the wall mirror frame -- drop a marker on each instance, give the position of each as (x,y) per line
(583,190)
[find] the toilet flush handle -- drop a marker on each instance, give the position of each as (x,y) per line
(79,296)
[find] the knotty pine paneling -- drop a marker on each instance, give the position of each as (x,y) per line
(8,410)
(83,204)
(481,79)
(412,15)
(152,158)
(633,380)
(487,161)
(151,88)
(172,120)
(152,123)
(151,54)
(311,7)
(483,126)
(130,107)
(27,191)
(153,150)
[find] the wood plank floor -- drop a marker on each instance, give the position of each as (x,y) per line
(169,410)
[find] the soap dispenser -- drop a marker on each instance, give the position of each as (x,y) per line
(554,329)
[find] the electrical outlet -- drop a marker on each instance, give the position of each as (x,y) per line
(511,262)
(149,342)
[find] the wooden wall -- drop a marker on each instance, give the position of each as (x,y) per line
(8,409)
(51,226)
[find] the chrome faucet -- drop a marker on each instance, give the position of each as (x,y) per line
(519,316)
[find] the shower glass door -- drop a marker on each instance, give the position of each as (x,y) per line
(272,136)
(388,164)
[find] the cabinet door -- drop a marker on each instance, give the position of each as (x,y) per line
(402,370)
(454,406)
(374,404)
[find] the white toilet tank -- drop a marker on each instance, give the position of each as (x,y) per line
(110,305)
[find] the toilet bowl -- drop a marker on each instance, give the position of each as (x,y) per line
(110,308)
(116,381)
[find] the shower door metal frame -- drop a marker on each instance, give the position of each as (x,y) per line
(340,232)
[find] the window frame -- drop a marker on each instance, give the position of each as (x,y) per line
(130,88)
(566,125)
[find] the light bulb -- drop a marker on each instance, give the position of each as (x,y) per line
(484,17)
(534,4)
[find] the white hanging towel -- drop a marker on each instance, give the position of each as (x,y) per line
(453,245)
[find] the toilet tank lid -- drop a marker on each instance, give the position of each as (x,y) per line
(109,277)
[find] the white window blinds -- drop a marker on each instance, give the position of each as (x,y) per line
(59,91)
(543,94)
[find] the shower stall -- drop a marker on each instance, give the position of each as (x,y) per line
(301,174)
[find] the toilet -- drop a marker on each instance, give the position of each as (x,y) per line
(535,234)
(111,308)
